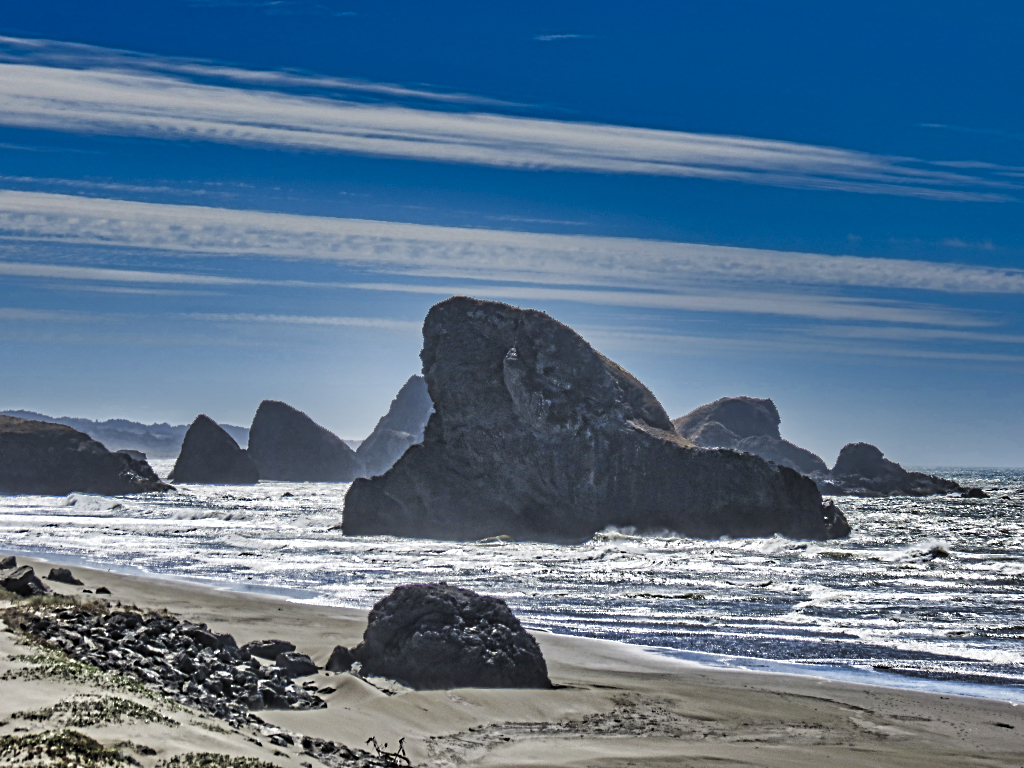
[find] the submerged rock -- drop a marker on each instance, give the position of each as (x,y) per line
(210,455)
(286,444)
(746,424)
(38,457)
(401,427)
(536,435)
(434,636)
(862,470)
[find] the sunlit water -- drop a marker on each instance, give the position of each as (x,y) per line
(887,598)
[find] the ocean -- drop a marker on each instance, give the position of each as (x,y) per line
(925,593)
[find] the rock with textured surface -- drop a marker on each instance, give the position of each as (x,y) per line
(434,637)
(37,457)
(268,649)
(296,664)
(341,659)
(285,444)
(746,424)
(23,581)
(401,427)
(538,436)
(862,470)
(209,455)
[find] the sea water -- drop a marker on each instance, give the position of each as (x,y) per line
(925,591)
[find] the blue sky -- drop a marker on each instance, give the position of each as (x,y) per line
(205,203)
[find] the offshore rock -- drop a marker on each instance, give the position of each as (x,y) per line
(746,424)
(862,470)
(210,455)
(536,435)
(435,637)
(37,457)
(401,427)
(285,444)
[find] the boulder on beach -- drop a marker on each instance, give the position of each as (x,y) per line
(862,470)
(64,576)
(296,664)
(23,581)
(285,444)
(746,424)
(435,637)
(209,455)
(341,660)
(41,458)
(401,427)
(536,435)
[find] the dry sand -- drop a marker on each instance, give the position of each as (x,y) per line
(613,705)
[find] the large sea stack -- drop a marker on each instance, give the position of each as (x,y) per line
(862,470)
(536,435)
(746,424)
(401,427)
(37,457)
(286,444)
(210,455)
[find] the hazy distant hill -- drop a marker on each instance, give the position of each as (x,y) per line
(157,441)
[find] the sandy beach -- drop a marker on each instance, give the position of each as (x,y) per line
(612,705)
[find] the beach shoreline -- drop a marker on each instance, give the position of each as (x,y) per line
(613,704)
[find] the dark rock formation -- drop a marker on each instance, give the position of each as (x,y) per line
(286,444)
(8,562)
(64,576)
(268,649)
(37,457)
(974,493)
(296,664)
(433,637)
(861,470)
(402,426)
(210,455)
(537,435)
(341,659)
(23,581)
(746,424)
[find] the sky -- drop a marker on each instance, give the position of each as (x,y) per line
(208,203)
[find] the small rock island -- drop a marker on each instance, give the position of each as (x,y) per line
(209,455)
(536,435)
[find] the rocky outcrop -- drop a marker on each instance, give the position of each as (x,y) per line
(746,424)
(210,455)
(862,470)
(536,435)
(285,444)
(401,427)
(434,637)
(38,457)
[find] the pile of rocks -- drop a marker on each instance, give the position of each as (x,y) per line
(186,661)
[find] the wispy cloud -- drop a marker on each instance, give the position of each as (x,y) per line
(480,254)
(382,323)
(84,90)
(555,38)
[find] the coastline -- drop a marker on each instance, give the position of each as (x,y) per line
(613,704)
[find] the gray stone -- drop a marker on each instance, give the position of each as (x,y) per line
(23,581)
(296,664)
(268,649)
(536,435)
